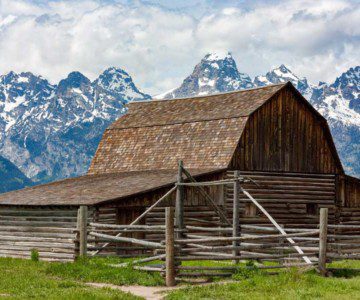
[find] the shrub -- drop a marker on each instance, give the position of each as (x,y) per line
(34,255)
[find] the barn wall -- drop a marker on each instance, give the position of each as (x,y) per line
(197,212)
(117,214)
(285,135)
(293,200)
(49,230)
(348,193)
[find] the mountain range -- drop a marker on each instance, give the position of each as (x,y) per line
(51,131)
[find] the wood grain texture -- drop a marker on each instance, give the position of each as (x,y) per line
(285,135)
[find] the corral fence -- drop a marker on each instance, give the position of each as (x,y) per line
(229,241)
(264,244)
(260,244)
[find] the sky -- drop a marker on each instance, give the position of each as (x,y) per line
(158,42)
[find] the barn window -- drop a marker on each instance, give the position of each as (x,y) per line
(311,209)
(250,210)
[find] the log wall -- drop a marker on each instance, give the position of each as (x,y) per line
(285,135)
(114,214)
(197,213)
(348,193)
(49,230)
(293,200)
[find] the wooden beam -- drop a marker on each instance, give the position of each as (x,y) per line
(236,204)
(212,203)
(170,249)
(249,237)
(82,227)
(179,203)
(282,231)
(323,240)
(127,240)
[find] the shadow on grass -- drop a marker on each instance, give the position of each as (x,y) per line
(344,273)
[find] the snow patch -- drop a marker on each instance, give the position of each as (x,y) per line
(206,82)
(214,65)
(337,108)
(9,106)
(163,95)
(22,79)
(285,75)
(77,90)
(217,56)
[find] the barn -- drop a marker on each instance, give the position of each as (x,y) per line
(270,135)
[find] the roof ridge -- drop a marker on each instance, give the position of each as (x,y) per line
(207,96)
(177,123)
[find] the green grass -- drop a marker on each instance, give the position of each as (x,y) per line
(290,284)
(26,279)
(98,270)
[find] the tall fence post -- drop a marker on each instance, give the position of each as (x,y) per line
(82,230)
(179,203)
(236,204)
(170,248)
(323,240)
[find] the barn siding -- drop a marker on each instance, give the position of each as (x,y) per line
(292,199)
(285,135)
(197,211)
(113,214)
(49,230)
(348,194)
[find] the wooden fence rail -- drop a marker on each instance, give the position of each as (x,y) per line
(221,244)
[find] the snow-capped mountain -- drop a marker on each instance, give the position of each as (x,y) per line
(52,131)
(338,102)
(217,72)
(283,74)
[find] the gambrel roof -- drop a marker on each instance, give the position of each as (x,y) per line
(202,131)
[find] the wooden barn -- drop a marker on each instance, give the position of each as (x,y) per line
(271,135)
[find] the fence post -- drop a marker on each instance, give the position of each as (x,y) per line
(170,249)
(236,203)
(282,243)
(323,240)
(82,229)
(179,203)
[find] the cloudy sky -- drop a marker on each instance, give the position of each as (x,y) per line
(159,42)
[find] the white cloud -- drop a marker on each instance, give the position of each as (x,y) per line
(159,46)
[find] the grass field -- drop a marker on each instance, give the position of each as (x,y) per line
(25,279)
(291,284)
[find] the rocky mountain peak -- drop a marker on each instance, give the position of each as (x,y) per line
(116,80)
(283,74)
(218,56)
(348,79)
(348,85)
(74,80)
(216,73)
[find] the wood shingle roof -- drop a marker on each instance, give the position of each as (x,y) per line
(202,131)
(94,189)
